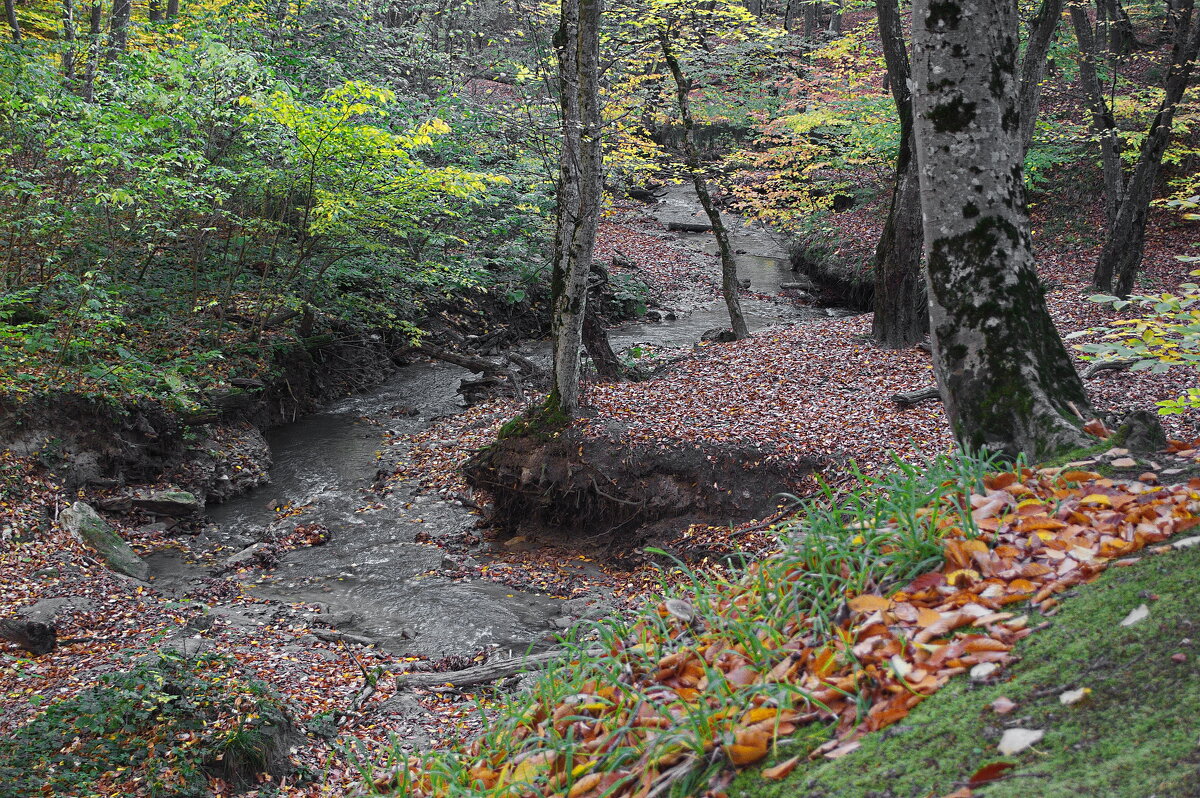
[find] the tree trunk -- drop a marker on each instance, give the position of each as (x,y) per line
(1002,370)
(580,189)
(691,156)
(1104,124)
(95,17)
(812,17)
(118,27)
(1033,66)
(1124,244)
(172,9)
(901,307)
(835,18)
(10,12)
(154,10)
(68,53)
(1120,29)
(609,367)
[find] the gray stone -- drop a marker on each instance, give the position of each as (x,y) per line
(244,556)
(48,609)
(87,526)
(188,646)
(168,502)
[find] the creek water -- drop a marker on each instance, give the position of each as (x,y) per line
(373,572)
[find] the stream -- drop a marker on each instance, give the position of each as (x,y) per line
(373,574)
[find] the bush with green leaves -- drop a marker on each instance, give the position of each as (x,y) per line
(170,722)
(1166,336)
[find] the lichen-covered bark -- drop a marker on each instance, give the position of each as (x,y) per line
(901,312)
(579,191)
(1003,371)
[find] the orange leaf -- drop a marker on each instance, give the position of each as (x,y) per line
(781,770)
(869,603)
(584,785)
(928,617)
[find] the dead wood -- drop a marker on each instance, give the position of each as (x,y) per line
(1097,366)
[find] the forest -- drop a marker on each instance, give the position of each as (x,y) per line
(599,398)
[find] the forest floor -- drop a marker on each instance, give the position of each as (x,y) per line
(815,389)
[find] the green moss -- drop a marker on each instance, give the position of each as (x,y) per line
(542,422)
(1135,737)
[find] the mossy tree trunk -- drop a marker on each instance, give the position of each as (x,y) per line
(1004,374)
(901,310)
(580,184)
(691,156)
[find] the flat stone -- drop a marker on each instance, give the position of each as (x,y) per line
(168,502)
(88,527)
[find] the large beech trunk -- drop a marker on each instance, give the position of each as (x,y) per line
(1007,381)
(901,312)
(579,190)
(691,155)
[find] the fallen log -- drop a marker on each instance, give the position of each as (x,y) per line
(1097,366)
(910,398)
(482,674)
(689,227)
(474,364)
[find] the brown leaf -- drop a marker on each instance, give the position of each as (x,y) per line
(990,772)
(869,603)
(1002,706)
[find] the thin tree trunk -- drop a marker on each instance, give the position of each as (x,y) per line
(10,12)
(154,11)
(835,17)
(1033,66)
(172,9)
(1104,124)
(1005,376)
(579,191)
(118,27)
(812,17)
(1120,29)
(691,155)
(68,54)
(95,18)
(901,307)
(1124,245)
(595,340)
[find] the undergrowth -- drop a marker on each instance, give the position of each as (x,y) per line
(170,721)
(601,719)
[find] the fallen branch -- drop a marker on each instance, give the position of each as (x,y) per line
(910,398)
(474,364)
(482,674)
(1097,366)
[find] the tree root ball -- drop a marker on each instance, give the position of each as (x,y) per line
(568,482)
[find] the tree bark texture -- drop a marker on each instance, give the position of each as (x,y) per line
(579,190)
(1128,197)
(901,308)
(95,17)
(154,11)
(1002,370)
(1033,65)
(691,157)
(172,9)
(118,27)
(14,27)
(68,54)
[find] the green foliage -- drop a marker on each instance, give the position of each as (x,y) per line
(1167,335)
(172,722)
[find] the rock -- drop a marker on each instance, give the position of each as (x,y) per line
(652,315)
(167,502)
(332,620)
(1143,432)
(187,646)
(116,504)
(1124,462)
(87,526)
(47,610)
(744,283)
(246,556)
(718,335)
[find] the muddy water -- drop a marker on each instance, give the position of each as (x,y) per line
(382,582)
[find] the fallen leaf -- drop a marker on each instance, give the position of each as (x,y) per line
(869,603)
(780,771)
(1139,614)
(995,770)
(1015,741)
(1002,706)
(1073,697)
